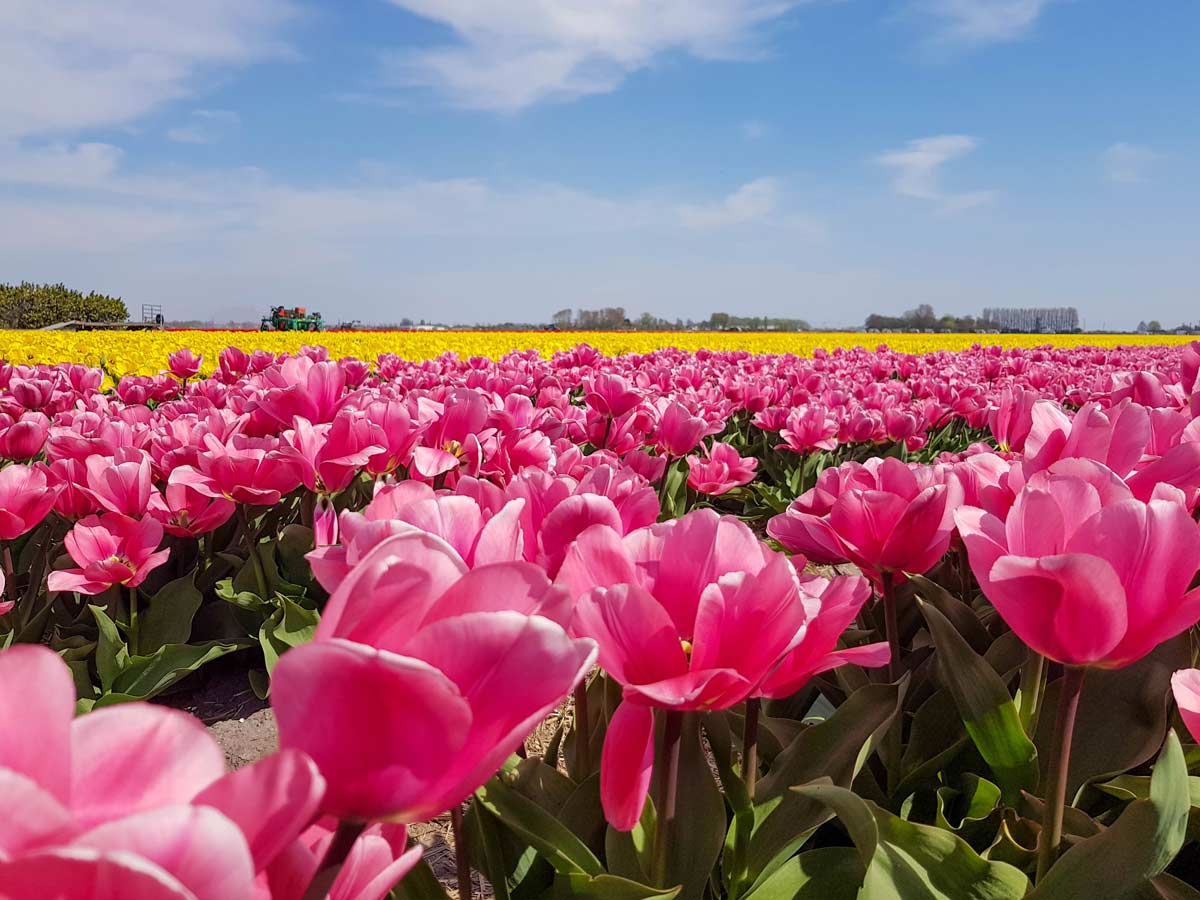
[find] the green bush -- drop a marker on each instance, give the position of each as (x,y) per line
(28,305)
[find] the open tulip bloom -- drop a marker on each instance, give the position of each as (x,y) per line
(697,614)
(421,680)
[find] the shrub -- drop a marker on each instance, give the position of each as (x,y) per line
(27,305)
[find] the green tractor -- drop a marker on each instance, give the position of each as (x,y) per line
(298,319)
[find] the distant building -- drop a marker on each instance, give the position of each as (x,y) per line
(1033,320)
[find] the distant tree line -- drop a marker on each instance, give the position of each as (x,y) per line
(923,318)
(1054,320)
(27,305)
(613,318)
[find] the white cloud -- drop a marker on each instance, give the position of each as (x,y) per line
(971,23)
(206,126)
(1127,163)
(917,171)
(69,65)
(751,202)
(753,130)
(512,54)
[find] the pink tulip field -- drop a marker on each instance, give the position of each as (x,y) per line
(865,624)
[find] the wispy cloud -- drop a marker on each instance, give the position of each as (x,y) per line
(518,53)
(917,171)
(206,126)
(1127,163)
(76,64)
(752,201)
(971,23)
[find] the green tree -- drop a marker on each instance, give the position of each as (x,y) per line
(27,305)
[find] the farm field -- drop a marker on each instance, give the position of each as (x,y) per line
(645,616)
(144,353)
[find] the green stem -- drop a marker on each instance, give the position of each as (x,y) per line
(10,587)
(1033,686)
(744,824)
(583,731)
(462,864)
(1060,759)
(895,738)
(133,621)
(750,746)
(664,804)
(662,486)
(260,576)
(339,848)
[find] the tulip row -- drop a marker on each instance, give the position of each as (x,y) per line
(945,676)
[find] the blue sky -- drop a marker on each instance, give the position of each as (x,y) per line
(467,160)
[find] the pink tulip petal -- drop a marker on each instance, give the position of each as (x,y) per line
(801,532)
(197,845)
(372,869)
(513,670)
(1068,608)
(868,656)
(598,558)
(698,689)
(627,764)
(1185,684)
(41,820)
(500,539)
(686,555)
(391,590)
(37,703)
(747,622)
(77,872)
(637,640)
(271,801)
(518,586)
(380,727)
(176,759)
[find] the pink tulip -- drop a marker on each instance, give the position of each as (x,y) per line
(418,684)
(888,517)
(184,364)
(329,456)
(68,478)
(1082,571)
(611,395)
(678,431)
(241,471)
(132,801)
(26,496)
(398,434)
(809,428)
(110,549)
(1012,418)
(476,537)
(379,859)
(692,614)
(1185,684)
(185,512)
(1116,437)
(23,439)
(120,484)
(720,470)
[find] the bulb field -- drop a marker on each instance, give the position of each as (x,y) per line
(644,616)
